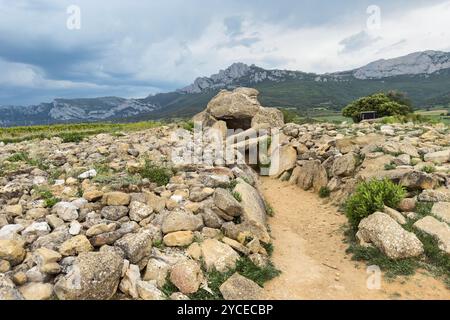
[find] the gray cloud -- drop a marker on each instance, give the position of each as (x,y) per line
(148,46)
(358,41)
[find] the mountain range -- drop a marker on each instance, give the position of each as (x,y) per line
(423,76)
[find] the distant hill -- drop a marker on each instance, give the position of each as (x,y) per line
(423,76)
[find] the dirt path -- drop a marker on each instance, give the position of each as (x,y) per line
(310,252)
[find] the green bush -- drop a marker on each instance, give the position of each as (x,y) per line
(72,137)
(158,174)
(237,196)
(370,197)
(428,169)
(379,102)
(324,192)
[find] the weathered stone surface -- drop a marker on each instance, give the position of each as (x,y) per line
(224,200)
(66,211)
(149,291)
(136,246)
(218,255)
(8,290)
(47,260)
(238,104)
(238,287)
(157,270)
(128,285)
(254,209)
(76,245)
(92,195)
(186,276)
(93,276)
(344,166)
(37,291)
(438,230)
(388,236)
(268,116)
(139,211)
(181,221)
(441,210)
(114,213)
(417,180)
(117,199)
(12,251)
(283,159)
(407,205)
(438,157)
(435,196)
(394,214)
(179,239)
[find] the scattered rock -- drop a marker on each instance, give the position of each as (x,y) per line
(186,276)
(438,230)
(181,221)
(218,255)
(76,245)
(93,276)
(238,287)
(388,236)
(179,239)
(12,251)
(37,291)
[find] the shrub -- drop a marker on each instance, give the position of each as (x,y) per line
(19,156)
(428,169)
(237,196)
(379,102)
(324,192)
(155,173)
(72,137)
(49,199)
(370,197)
(390,166)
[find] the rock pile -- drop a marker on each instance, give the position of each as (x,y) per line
(83,222)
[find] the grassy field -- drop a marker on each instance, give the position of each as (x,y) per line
(439,114)
(70,132)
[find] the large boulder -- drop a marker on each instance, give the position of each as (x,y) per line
(238,287)
(311,174)
(283,159)
(438,230)
(441,210)
(344,166)
(254,209)
(388,236)
(239,109)
(12,251)
(93,276)
(181,221)
(218,255)
(186,276)
(136,246)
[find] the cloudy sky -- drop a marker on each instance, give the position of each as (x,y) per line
(134,48)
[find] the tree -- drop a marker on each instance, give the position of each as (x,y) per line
(380,103)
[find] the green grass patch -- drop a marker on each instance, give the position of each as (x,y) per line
(370,197)
(158,174)
(428,169)
(324,192)
(48,197)
(237,196)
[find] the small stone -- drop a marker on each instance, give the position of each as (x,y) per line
(100,228)
(438,230)
(148,291)
(157,270)
(394,214)
(47,260)
(181,221)
(139,211)
(37,229)
(179,239)
(75,228)
(5,266)
(19,278)
(117,199)
(236,245)
(178,296)
(114,213)
(13,210)
(37,291)
(186,276)
(12,251)
(66,211)
(128,285)
(76,245)
(92,195)
(36,213)
(136,246)
(224,200)
(218,255)
(94,276)
(238,287)
(88,174)
(407,205)
(54,221)
(441,210)
(194,251)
